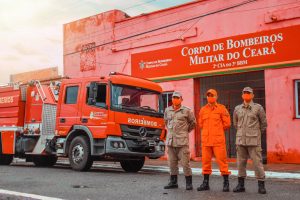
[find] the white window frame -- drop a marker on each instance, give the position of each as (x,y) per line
(297,83)
(167,94)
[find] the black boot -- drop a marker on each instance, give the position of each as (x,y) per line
(205,184)
(240,187)
(225,184)
(261,187)
(189,183)
(172,182)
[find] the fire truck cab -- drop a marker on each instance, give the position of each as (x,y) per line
(114,118)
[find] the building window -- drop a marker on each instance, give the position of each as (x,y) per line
(167,99)
(297,98)
(71,95)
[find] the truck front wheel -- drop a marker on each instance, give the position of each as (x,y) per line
(44,161)
(132,165)
(6,159)
(80,154)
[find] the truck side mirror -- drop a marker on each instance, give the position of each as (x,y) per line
(91,101)
(92,93)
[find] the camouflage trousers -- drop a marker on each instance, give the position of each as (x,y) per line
(182,155)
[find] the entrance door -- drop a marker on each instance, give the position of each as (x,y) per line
(229,88)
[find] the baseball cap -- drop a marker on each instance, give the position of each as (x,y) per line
(176,94)
(212,91)
(248,89)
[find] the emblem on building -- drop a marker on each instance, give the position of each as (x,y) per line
(142,65)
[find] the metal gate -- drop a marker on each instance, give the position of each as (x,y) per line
(229,88)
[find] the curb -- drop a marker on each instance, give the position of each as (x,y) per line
(198,171)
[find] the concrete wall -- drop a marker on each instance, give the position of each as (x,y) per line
(95,45)
(42,74)
(283,133)
(107,31)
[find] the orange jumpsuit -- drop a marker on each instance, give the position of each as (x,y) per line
(213,120)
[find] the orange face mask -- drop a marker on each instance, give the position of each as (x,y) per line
(247,97)
(176,102)
(211,99)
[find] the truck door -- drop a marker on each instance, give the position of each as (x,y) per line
(94,109)
(68,109)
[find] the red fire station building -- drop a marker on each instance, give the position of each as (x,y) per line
(226,45)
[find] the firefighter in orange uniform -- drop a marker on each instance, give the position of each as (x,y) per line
(213,120)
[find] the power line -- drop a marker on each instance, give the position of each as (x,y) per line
(169,25)
(190,27)
(135,40)
(80,3)
(138,5)
(176,12)
(239,11)
(62,10)
(193,24)
(125,9)
(101,63)
(126,26)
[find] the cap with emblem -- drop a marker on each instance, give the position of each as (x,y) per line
(248,89)
(212,91)
(176,94)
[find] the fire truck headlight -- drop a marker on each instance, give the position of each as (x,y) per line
(121,145)
(117,144)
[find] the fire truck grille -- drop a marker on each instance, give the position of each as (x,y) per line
(135,132)
(49,119)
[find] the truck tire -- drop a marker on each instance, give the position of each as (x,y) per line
(80,154)
(132,165)
(44,161)
(6,159)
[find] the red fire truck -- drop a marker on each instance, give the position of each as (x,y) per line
(115,118)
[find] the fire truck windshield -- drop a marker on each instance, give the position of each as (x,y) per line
(137,100)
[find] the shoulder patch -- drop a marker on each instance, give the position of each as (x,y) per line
(221,105)
(238,106)
(186,107)
(167,108)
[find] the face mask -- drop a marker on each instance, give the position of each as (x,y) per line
(247,97)
(176,102)
(211,99)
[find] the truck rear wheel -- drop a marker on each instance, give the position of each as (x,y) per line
(80,154)
(44,161)
(132,165)
(6,159)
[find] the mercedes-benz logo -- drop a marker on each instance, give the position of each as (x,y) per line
(143,132)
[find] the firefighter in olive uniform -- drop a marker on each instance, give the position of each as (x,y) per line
(180,121)
(250,121)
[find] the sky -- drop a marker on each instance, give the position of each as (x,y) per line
(31,31)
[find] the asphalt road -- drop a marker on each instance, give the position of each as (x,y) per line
(112,184)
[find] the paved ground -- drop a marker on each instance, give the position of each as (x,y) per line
(277,171)
(113,183)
